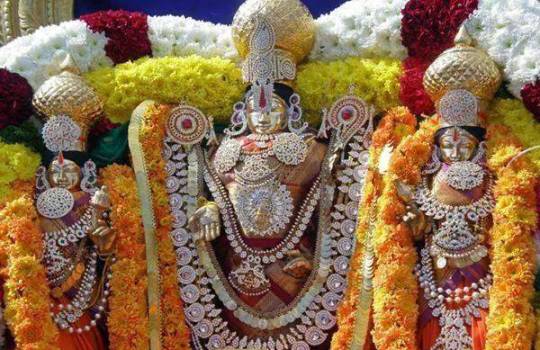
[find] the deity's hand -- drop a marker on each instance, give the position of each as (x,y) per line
(205,222)
(298,266)
(103,236)
(413,217)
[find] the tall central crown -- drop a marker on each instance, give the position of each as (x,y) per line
(293,26)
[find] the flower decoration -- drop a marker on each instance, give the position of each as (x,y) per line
(175,333)
(376,81)
(38,56)
(26,289)
(511,321)
(15,99)
(103,126)
(531,98)
(428,27)
(127,321)
(411,89)
(213,85)
(395,125)
(127,33)
(184,36)
(17,163)
(364,29)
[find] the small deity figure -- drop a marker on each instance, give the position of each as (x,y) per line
(450,211)
(79,243)
(264,218)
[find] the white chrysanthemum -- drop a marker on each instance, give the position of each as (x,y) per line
(182,36)
(509,31)
(360,28)
(39,55)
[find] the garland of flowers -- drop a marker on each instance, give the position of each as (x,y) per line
(511,321)
(376,81)
(395,310)
(127,322)
(395,125)
(127,33)
(26,289)
(513,114)
(17,106)
(175,333)
(18,164)
(213,85)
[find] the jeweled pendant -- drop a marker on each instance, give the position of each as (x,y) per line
(441,262)
(249,278)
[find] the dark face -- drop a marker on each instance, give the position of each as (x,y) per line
(267,122)
(66,175)
(457,145)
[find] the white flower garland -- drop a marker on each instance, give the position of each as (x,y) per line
(509,30)
(38,56)
(183,36)
(364,28)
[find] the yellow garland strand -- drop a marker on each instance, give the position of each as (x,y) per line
(214,85)
(211,84)
(511,322)
(513,114)
(26,289)
(18,164)
(127,320)
(175,333)
(320,84)
(398,123)
(395,309)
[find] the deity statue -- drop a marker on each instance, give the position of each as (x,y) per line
(264,218)
(79,243)
(450,211)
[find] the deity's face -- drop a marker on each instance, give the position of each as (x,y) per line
(267,122)
(456,145)
(66,175)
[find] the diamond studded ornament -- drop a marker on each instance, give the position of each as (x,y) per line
(55,203)
(464,175)
(458,108)
(187,125)
(348,115)
(61,133)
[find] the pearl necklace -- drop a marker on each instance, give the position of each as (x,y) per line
(465,305)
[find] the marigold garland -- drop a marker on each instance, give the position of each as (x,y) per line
(127,321)
(395,310)
(511,321)
(26,289)
(175,333)
(320,84)
(395,125)
(514,115)
(17,163)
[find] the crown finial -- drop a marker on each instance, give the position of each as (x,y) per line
(462,37)
(69,65)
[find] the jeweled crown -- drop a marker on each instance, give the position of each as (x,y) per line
(70,95)
(463,67)
(458,108)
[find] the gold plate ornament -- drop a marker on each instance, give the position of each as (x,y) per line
(187,125)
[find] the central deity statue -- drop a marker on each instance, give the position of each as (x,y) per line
(264,218)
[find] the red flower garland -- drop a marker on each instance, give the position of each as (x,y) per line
(103,126)
(411,90)
(428,27)
(531,98)
(15,98)
(127,33)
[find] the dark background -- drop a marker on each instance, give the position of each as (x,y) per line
(217,11)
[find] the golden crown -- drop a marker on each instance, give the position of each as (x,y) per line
(285,27)
(463,67)
(69,94)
